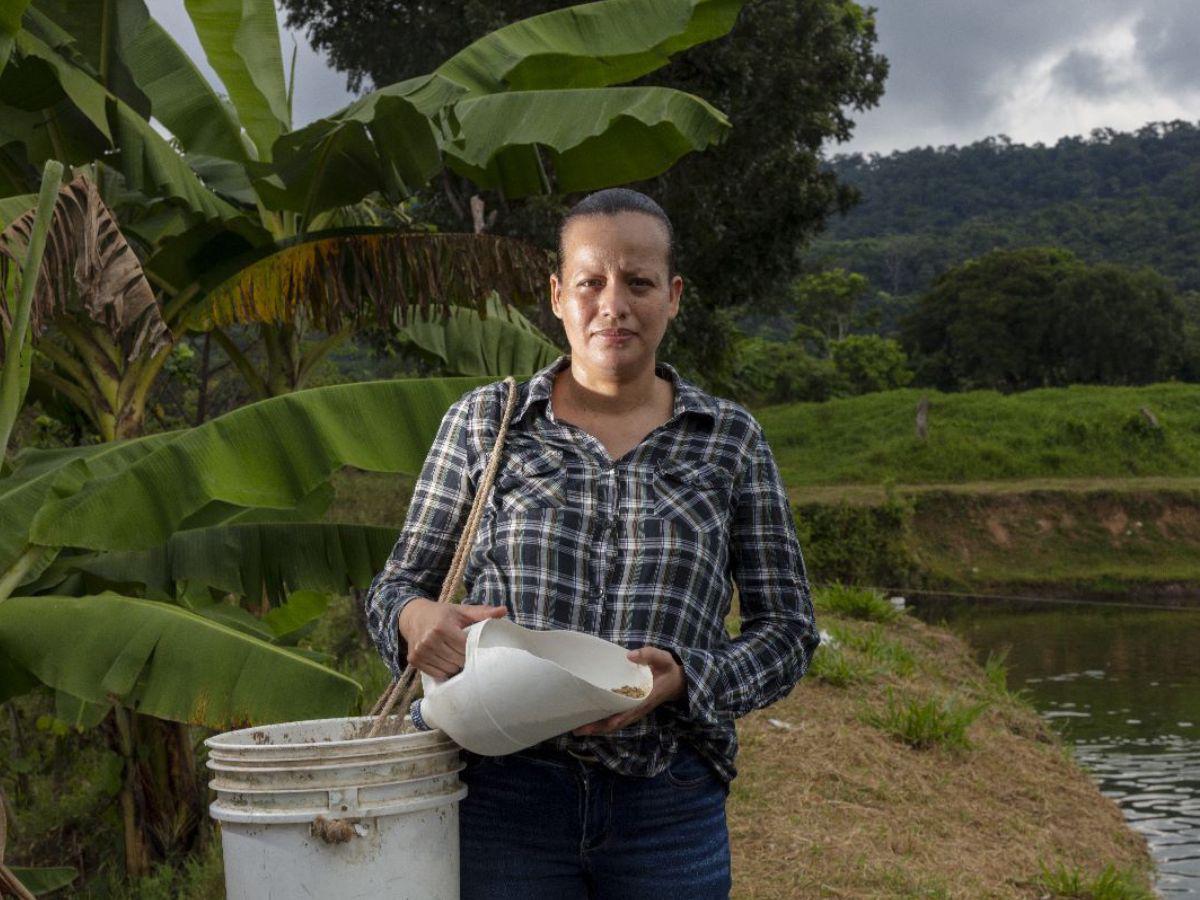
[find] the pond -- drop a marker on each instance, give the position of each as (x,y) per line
(1122,683)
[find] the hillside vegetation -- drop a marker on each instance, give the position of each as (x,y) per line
(1130,198)
(1072,432)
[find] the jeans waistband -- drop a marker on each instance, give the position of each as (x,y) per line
(550,753)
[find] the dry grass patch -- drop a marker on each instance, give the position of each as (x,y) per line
(835,807)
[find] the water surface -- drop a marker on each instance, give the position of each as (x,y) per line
(1123,685)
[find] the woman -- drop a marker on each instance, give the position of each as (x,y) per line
(627,501)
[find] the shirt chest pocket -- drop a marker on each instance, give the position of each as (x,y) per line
(694,495)
(531,477)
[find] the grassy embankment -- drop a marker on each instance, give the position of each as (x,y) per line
(900,767)
(1064,490)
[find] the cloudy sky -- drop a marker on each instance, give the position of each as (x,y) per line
(1032,69)
(960,69)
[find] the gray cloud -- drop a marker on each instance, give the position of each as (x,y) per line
(1168,43)
(956,66)
(1087,74)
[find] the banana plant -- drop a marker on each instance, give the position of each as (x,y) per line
(530,108)
(189,660)
(91,286)
(226,508)
(17,319)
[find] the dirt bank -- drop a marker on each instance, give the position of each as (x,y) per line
(1082,538)
(834,807)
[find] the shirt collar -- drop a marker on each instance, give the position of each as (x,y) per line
(688,397)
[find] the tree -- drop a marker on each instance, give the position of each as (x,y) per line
(868,362)
(1037,317)
(789,73)
(828,302)
(770,371)
(1115,325)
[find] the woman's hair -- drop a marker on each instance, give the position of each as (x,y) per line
(611,201)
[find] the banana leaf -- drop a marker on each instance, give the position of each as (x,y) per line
(88,266)
(245,559)
(165,661)
(44,880)
(504,343)
(302,609)
(310,508)
(12,207)
(333,162)
(78,713)
(10,24)
(147,161)
(39,475)
(592,45)
(371,276)
(241,40)
(591,137)
(269,454)
(378,143)
(179,94)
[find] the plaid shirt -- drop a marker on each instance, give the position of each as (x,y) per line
(640,551)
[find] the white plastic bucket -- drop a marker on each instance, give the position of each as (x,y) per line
(311,809)
(519,687)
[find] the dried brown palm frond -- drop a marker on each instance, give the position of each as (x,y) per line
(375,278)
(88,266)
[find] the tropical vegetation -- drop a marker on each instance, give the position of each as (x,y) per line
(187,563)
(1127,197)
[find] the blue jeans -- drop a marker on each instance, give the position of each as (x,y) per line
(559,828)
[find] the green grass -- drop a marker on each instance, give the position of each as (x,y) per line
(1074,432)
(995,670)
(1110,884)
(854,603)
(838,668)
(888,655)
(926,723)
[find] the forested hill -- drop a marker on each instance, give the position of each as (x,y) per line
(1132,198)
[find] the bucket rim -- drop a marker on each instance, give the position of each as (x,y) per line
(228,741)
(220,764)
(264,791)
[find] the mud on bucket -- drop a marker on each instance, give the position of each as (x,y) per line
(313,809)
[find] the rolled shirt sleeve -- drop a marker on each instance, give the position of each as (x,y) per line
(436,516)
(778,633)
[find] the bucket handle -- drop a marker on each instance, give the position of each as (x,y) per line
(405,687)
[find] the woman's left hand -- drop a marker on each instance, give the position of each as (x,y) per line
(669,684)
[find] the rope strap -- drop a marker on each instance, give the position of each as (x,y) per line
(404,688)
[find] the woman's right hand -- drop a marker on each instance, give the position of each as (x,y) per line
(437,643)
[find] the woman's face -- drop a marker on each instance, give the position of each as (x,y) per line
(615,297)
